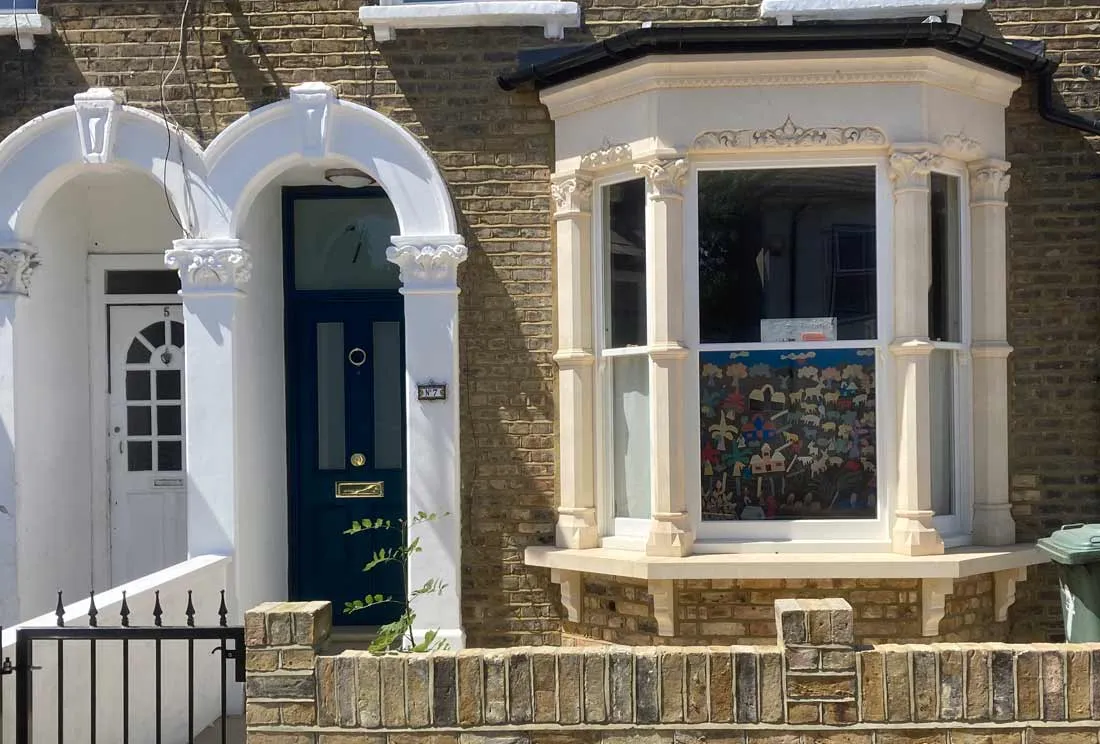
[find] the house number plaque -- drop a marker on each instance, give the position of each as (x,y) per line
(431,391)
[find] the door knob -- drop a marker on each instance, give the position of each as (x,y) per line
(358,460)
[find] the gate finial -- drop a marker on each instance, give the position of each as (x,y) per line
(59,611)
(93,612)
(157,611)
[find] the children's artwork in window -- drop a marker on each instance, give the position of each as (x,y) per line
(788,434)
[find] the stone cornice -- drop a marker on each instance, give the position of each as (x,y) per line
(429,264)
(664,177)
(210,265)
(789,135)
(17,264)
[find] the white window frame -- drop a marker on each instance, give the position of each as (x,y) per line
(955,528)
(732,536)
(553,16)
(628,533)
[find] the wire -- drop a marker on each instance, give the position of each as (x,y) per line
(169,122)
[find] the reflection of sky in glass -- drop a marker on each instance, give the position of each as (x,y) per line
(8,5)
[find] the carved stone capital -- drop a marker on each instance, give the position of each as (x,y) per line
(909,170)
(664,178)
(789,135)
(17,263)
(210,265)
(312,102)
(607,156)
(96,115)
(429,263)
(989,181)
(572,195)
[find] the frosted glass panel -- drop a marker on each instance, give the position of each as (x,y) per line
(942,375)
(341,244)
(631,460)
(389,403)
(330,396)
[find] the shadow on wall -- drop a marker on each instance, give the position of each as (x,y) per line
(496,152)
(1053,313)
(34,82)
(248,62)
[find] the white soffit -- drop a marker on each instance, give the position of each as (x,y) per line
(24,27)
(553,16)
(787,11)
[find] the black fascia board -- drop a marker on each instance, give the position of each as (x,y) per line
(725,39)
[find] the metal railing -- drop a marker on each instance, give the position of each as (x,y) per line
(104,660)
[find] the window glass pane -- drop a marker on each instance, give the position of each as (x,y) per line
(177,334)
(169,385)
(139,421)
(624,264)
(153,281)
(942,375)
(331,447)
(169,420)
(631,461)
(788,434)
(389,402)
(139,456)
(944,294)
(138,386)
(341,243)
(138,353)
(155,334)
(169,455)
(787,254)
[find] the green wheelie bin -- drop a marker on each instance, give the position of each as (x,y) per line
(1075,548)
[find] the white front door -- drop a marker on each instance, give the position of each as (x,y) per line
(148,480)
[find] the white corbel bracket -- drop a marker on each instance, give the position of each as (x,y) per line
(933,603)
(24,27)
(553,16)
(1004,590)
(665,612)
(572,592)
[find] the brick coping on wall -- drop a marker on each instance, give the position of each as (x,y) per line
(814,680)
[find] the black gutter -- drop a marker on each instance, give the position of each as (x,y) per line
(960,41)
(713,39)
(1056,115)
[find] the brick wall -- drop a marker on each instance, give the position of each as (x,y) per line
(742,612)
(495,151)
(816,684)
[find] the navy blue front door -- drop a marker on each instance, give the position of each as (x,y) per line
(345,400)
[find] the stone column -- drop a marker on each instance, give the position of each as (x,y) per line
(213,272)
(911,351)
(17,264)
(993,523)
(670,532)
(575,356)
(429,277)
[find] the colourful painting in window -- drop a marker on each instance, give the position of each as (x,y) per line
(788,434)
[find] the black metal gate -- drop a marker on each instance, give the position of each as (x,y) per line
(161,647)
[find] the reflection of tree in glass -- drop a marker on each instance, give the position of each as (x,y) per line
(731,292)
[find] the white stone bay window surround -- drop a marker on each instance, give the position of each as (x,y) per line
(781,320)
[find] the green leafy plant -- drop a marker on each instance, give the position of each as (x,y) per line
(398,635)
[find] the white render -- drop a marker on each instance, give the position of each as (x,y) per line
(786,12)
(91,179)
(903,112)
(553,16)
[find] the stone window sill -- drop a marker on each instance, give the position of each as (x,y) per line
(787,11)
(24,27)
(554,16)
(953,564)
(936,573)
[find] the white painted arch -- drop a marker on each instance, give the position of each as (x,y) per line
(213,191)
